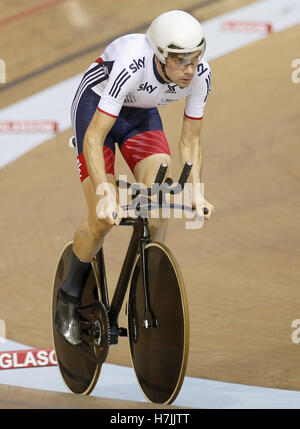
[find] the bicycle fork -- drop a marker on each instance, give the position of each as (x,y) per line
(149,318)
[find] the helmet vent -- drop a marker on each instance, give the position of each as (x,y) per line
(174,47)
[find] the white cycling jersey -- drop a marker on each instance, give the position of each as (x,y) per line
(127,76)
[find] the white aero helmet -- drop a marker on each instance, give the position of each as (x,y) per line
(175,31)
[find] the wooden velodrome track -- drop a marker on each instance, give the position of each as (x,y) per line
(241,269)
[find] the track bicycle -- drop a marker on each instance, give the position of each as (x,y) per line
(157,307)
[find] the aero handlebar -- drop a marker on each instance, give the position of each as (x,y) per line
(141,201)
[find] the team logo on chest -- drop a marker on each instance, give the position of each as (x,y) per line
(147,87)
(137,64)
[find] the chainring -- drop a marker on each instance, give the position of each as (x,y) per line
(99,331)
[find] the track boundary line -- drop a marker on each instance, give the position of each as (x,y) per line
(27,12)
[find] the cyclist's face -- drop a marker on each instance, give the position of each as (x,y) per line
(181,68)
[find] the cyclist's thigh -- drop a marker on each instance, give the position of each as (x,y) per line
(144,145)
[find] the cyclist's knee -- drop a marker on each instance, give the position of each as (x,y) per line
(146,170)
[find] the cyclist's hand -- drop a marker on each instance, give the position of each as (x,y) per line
(202,206)
(107,207)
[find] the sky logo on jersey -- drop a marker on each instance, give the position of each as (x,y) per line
(147,87)
(137,64)
(119,82)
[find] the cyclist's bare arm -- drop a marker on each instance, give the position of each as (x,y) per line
(190,149)
(106,196)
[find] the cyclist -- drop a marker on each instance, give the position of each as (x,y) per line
(116,102)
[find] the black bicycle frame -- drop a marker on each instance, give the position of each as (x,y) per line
(139,238)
